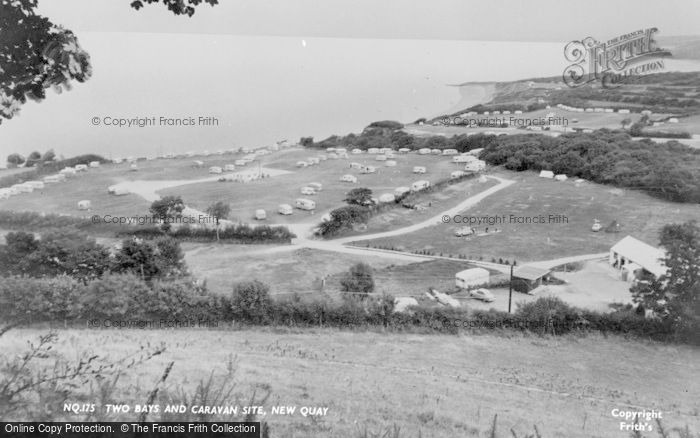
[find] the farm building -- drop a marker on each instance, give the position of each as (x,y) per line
(373,151)
(260,214)
(230,167)
(546,174)
(94,164)
(635,258)
(356,151)
(673,120)
(404,150)
(518,112)
(436,151)
(84,205)
(471,278)
(67,171)
(560,177)
(526,278)
(423,151)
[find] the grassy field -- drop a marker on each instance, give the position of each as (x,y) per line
(287,271)
(284,189)
(427,385)
(62,198)
(638,214)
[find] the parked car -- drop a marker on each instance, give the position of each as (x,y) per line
(285,209)
(464,231)
(482,294)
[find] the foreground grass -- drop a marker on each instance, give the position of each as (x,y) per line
(438,386)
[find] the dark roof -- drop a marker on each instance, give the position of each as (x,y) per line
(530,272)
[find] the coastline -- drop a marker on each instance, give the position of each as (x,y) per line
(473,93)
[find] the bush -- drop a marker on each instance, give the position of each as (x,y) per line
(358,279)
(251,301)
(115,295)
(39,299)
(549,315)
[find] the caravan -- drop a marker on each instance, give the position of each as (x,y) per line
(305,204)
(420,185)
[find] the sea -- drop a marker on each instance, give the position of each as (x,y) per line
(214,92)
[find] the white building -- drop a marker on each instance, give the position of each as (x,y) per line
(634,257)
(471,278)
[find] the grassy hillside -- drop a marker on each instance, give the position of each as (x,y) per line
(662,93)
(451,386)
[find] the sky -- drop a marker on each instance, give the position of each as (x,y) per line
(492,20)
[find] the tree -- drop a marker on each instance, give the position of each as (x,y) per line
(166,209)
(36,54)
(14,160)
(49,155)
(33,159)
(57,253)
(251,300)
(625,122)
(358,279)
(359,196)
(218,210)
(306,141)
(342,218)
(676,295)
(177,7)
(161,258)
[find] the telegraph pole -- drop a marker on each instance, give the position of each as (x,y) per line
(510,288)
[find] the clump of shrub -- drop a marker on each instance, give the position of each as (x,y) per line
(251,301)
